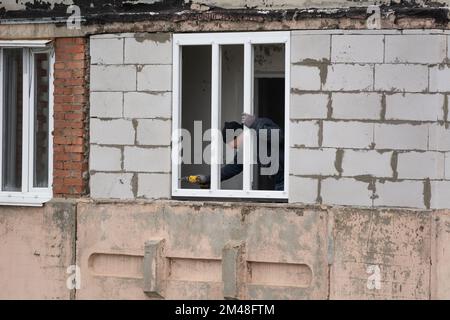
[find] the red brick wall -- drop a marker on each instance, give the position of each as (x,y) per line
(70,160)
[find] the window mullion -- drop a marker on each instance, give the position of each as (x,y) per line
(26,120)
(176,117)
(248,108)
(1,118)
(215,117)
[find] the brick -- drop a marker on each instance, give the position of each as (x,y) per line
(356,106)
(147,159)
(439,195)
(111,186)
(370,162)
(357,48)
(401,136)
(348,77)
(309,106)
(408,194)
(105,158)
(113,78)
(313,162)
(439,138)
(143,50)
(344,134)
(155,78)
(304,133)
(415,48)
(118,131)
(154,132)
(106,51)
(415,106)
(345,191)
(310,47)
(401,77)
(420,165)
(147,105)
(440,78)
(303,190)
(305,77)
(106,104)
(154,186)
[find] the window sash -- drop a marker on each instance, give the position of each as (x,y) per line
(215,40)
(29,195)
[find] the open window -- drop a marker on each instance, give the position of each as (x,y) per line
(25,122)
(218,77)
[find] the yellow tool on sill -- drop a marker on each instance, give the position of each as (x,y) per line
(200,179)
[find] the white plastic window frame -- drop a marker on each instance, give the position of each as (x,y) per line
(215,40)
(29,195)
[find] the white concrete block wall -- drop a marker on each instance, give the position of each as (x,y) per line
(130,116)
(381,104)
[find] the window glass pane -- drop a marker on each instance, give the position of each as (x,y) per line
(196,113)
(12,120)
(269,109)
(232,102)
(41,120)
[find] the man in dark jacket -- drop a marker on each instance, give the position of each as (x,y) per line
(267,132)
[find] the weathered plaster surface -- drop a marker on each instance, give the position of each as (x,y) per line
(290,252)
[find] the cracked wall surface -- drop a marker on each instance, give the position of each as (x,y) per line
(284,251)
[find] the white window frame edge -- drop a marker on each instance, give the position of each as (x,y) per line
(29,196)
(215,39)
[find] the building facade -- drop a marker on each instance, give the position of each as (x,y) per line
(94,95)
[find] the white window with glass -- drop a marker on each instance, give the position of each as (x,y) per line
(218,78)
(26,122)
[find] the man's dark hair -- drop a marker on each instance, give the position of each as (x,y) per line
(233,125)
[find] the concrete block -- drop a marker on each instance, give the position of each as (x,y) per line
(357,48)
(106,104)
(154,186)
(305,78)
(346,192)
(440,78)
(420,165)
(401,136)
(106,51)
(113,78)
(407,194)
(439,138)
(309,106)
(234,270)
(310,47)
(154,132)
(388,248)
(149,49)
(304,133)
(147,105)
(415,106)
(105,158)
(303,190)
(111,186)
(349,77)
(401,77)
(356,105)
(415,48)
(313,162)
(154,78)
(362,163)
(155,160)
(347,134)
(440,191)
(116,132)
(447,166)
(154,268)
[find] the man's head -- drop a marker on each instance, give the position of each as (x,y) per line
(232,134)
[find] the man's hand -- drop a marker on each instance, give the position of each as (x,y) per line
(248,120)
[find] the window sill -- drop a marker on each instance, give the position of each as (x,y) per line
(25,199)
(236,194)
